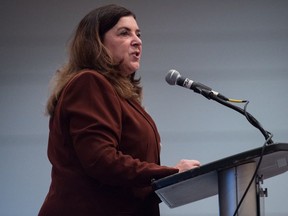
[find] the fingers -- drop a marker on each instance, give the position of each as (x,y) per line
(185,165)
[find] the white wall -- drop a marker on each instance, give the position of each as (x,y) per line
(239,48)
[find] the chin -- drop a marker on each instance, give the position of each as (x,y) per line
(131,70)
(136,67)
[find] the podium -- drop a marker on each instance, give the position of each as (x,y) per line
(229,178)
(236,179)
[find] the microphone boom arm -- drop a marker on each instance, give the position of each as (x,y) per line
(209,95)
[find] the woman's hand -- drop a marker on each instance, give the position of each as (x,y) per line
(185,165)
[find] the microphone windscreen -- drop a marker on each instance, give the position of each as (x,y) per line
(172,76)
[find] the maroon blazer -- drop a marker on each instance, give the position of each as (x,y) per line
(104,152)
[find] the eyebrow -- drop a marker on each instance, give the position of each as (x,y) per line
(128,29)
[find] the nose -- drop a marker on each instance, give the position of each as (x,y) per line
(136,42)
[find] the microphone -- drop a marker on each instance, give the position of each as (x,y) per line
(174,78)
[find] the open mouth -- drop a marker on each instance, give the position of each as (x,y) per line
(136,54)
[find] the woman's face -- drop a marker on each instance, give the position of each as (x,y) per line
(124,44)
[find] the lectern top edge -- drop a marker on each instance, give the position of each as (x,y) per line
(225,163)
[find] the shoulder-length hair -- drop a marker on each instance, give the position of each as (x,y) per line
(86,51)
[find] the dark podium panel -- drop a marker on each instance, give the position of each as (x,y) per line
(196,184)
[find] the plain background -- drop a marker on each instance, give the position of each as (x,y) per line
(240,48)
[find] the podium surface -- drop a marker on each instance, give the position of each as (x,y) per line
(199,183)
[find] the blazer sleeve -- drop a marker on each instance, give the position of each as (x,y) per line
(92,109)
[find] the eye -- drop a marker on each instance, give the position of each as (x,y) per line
(138,34)
(124,32)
